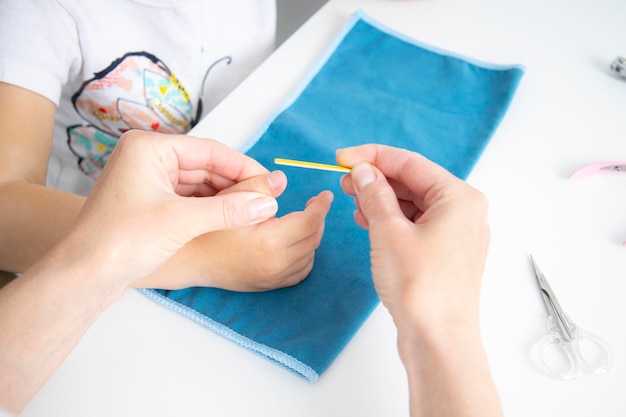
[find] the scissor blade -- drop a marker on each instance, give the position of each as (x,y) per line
(537,270)
(544,287)
(549,299)
(616,168)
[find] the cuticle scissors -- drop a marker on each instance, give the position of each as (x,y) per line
(566,337)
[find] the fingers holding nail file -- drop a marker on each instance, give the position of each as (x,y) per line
(310,165)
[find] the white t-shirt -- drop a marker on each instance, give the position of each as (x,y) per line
(115,65)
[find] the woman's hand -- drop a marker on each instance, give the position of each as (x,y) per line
(428,230)
(429,240)
(156,194)
(159,192)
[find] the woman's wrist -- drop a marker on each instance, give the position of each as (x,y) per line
(83,273)
(420,335)
(56,301)
(446,367)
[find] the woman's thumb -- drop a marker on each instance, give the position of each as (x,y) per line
(377,200)
(228,211)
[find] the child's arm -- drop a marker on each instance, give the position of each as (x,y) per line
(32,217)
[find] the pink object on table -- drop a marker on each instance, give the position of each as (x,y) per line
(610,167)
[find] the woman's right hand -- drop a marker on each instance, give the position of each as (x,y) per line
(428,231)
(429,240)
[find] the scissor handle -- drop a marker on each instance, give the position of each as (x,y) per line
(602,359)
(574,352)
(561,352)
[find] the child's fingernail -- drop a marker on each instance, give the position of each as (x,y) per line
(276,179)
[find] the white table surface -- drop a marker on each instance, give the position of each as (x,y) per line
(140,359)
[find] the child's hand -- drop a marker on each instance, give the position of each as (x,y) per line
(274,254)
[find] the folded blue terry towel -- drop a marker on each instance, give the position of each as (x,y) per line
(372,85)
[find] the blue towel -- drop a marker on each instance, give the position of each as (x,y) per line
(372,85)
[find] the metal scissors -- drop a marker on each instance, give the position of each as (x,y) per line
(567,347)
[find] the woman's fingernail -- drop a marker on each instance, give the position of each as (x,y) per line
(363,175)
(262,208)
